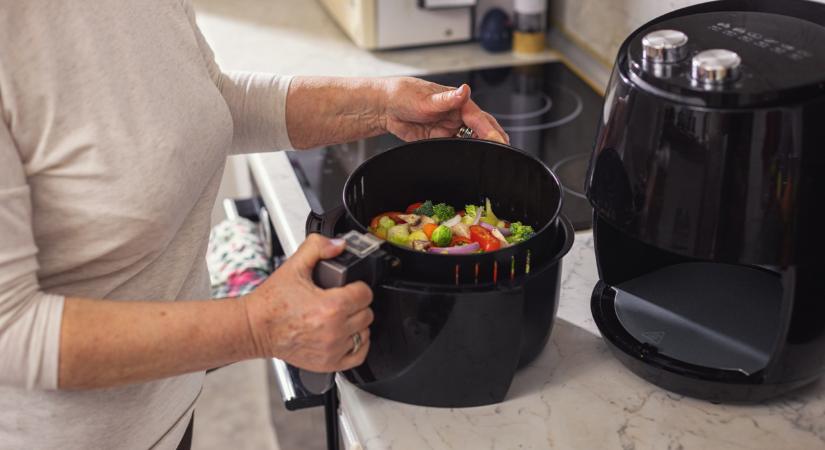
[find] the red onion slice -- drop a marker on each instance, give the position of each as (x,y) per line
(457,250)
(504,231)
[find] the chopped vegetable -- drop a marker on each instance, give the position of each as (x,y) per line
(461,229)
(456,250)
(497,234)
(391,214)
(442,236)
(442,212)
(419,236)
(426,209)
(519,233)
(421,246)
(490,228)
(459,240)
(484,238)
(437,228)
(471,214)
(399,234)
(428,229)
(386,222)
(489,216)
(411,209)
(454,220)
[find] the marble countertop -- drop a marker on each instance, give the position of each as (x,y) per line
(575,395)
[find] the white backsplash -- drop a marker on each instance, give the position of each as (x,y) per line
(601,25)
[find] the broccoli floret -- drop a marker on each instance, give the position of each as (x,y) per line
(443,211)
(442,236)
(426,209)
(519,233)
(471,210)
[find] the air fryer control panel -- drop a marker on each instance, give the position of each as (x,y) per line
(730,59)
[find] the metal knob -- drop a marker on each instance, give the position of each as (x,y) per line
(715,66)
(664,46)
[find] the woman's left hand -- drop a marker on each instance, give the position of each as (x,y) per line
(417,109)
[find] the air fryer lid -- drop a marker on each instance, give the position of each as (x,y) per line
(781,56)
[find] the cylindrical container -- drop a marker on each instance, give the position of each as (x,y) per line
(530,25)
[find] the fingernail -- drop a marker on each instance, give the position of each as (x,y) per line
(337,242)
(461,90)
(494,136)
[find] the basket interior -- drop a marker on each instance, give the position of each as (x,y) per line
(461,171)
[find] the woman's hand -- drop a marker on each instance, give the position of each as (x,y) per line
(417,109)
(293,319)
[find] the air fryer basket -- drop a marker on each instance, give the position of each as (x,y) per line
(458,172)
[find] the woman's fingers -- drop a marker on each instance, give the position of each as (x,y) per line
(352,359)
(358,321)
(350,298)
(452,99)
(485,126)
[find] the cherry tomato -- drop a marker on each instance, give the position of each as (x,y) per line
(459,240)
(391,214)
(413,207)
(485,239)
(428,229)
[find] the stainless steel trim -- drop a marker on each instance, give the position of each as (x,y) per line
(283,380)
(230,209)
(665,46)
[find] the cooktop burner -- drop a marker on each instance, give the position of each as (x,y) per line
(546,109)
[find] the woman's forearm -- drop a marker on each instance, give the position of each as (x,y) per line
(330,110)
(108,343)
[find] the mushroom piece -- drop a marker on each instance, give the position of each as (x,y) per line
(421,246)
(412,219)
(461,229)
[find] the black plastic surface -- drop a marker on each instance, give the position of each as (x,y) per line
(455,346)
(782,58)
(519,185)
(732,176)
(719,316)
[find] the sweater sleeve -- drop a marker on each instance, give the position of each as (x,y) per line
(29,318)
(257,101)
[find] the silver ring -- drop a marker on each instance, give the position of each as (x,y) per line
(356,343)
(464,132)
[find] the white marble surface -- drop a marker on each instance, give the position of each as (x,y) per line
(575,395)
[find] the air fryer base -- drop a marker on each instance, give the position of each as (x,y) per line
(643,359)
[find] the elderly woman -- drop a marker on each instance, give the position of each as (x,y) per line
(116,123)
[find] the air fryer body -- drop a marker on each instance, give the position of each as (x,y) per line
(694,184)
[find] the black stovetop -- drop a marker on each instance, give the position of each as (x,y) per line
(546,109)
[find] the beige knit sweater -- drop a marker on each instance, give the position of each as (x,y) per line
(116,122)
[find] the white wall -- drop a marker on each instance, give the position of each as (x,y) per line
(602,25)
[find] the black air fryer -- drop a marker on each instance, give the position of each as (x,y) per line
(450,330)
(708,181)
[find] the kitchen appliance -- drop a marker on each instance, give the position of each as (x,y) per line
(706,185)
(383,24)
(451,330)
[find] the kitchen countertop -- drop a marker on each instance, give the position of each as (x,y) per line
(575,395)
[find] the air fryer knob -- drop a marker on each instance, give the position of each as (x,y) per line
(664,46)
(716,66)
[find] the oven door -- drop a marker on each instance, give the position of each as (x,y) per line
(294,393)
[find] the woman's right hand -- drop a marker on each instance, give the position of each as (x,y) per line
(292,319)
